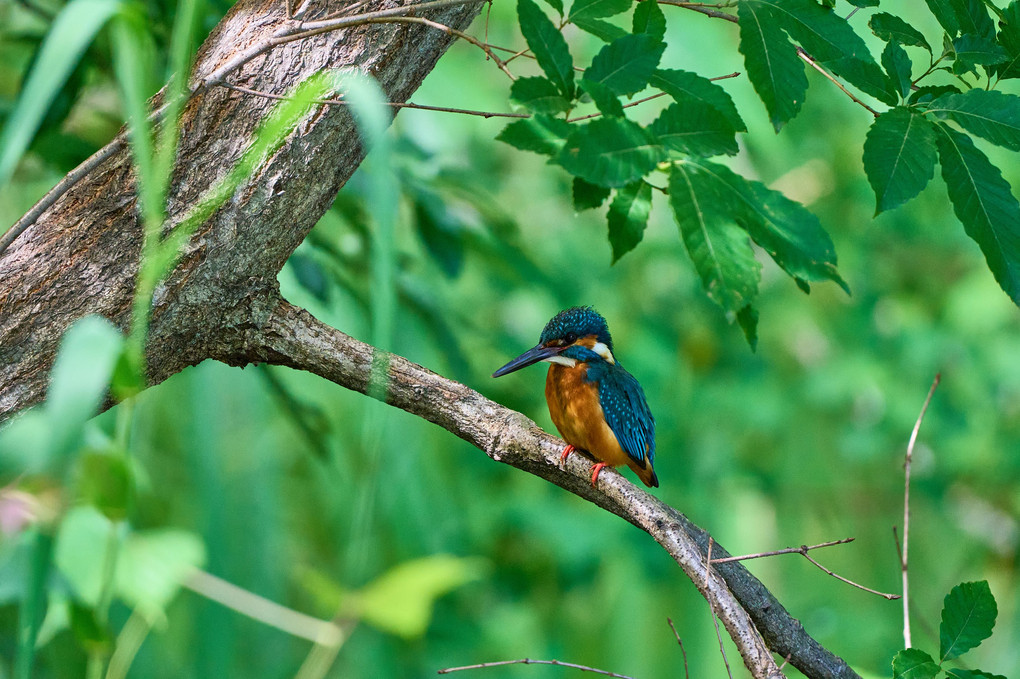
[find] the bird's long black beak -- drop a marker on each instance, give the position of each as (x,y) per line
(539,353)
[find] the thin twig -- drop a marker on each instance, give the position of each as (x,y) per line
(340,102)
(789,550)
(906,508)
(708,9)
(648,98)
(807,57)
(531,661)
(687,675)
(890,597)
(711,605)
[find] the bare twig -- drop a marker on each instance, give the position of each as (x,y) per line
(648,98)
(890,597)
(531,661)
(708,9)
(906,508)
(807,57)
(687,675)
(803,549)
(711,605)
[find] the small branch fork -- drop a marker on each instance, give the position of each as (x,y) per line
(532,661)
(906,509)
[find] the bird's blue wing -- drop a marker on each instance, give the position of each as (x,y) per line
(627,414)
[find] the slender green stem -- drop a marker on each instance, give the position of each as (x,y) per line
(33,607)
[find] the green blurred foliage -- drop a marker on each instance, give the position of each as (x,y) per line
(269,478)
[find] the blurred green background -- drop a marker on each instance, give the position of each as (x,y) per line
(306,494)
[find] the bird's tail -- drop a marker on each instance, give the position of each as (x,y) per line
(646,474)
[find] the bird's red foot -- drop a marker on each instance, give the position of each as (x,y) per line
(566,451)
(595,473)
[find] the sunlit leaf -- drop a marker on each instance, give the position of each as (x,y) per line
(628,216)
(989,114)
(772,64)
(538,95)
(610,152)
(625,65)
(696,129)
(899,156)
(605,100)
(914,664)
(982,200)
(548,46)
(968,616)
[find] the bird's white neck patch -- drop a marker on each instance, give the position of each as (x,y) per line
(562,360)
(602,350)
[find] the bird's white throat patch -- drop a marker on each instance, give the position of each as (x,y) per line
(562,360)
(602,350)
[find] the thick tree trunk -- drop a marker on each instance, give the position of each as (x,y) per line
(80,257)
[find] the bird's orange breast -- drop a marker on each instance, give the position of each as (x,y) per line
(575,410)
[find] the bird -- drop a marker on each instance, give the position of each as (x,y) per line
(597,406)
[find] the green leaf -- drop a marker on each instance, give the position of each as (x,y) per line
(991,115)
(899,157)
(927,93)
(604,30)
(625,65)
(831,41)
(153,566)
(945,14)
(80,551)
(539,134)
(972,674)
(785,229)
(607,103)
(914,664)
(1009,38)
(648,18)
(548,46)
(104,480)
(696,129)
(891,28)
(400,601)
(973,18)
(748,320)
(974,49)
(897,65)
(92,635)
(684,86)
(982,200)
(597,9)
(863,3)
(556,5)
(968,616)
(628,216)
(70,34)
(79,379)
(538,95)
(719,248)
(587,195)
(771,61)
(610,152)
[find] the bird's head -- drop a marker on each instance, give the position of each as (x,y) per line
(578,334)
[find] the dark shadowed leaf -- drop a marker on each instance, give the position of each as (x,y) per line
(720,249)
(1009,39)
(587,195)
(982,200)
(863,3)
(897,65)
(968,616)
(748,320)
(991,115)
(540,134)
(607,103)
(648,18)
(972,674)
(684,85)
(597,9)
(625,65)
(556,5)
(930,92)
(914,664)
(772,63)
(610,152)
(538,95)
(548,46)
(628,216)
(899,157)
(974,18)
(891,28)
(974,49)
(696,129)
(604,30)
(945,13)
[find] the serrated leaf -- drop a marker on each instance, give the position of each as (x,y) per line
(991,115)
(772,63)
(628,216)
(719,248)
(785,229)
(607,103)
(684,86)
(538,95)
(891,28)
(597,9)
(913,663)
(974,49)
(625,65)
(748,320)
(863,3)
(603,30)
(831,41)
(610,152)
(945,14)
(696,129)
(982,200)
(548,45)
(588,196)
(899,157)
(930,92)
(968,616)
(539,134)
(897,65)
(648,18)
(973,18)
(972,674)
(1009,39)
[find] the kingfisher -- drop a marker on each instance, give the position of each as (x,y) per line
(597,406)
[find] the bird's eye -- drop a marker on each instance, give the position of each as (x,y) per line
(569,338)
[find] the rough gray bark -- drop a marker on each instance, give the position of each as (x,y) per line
(80,257)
